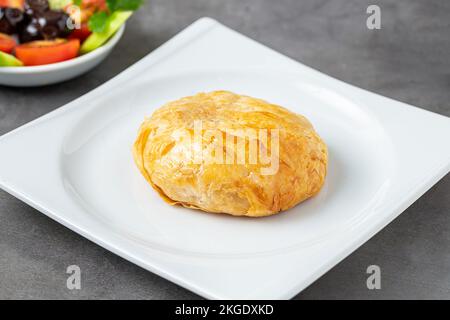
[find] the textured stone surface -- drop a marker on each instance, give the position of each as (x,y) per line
(406,60)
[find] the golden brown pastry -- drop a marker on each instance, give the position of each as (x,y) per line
(229,153)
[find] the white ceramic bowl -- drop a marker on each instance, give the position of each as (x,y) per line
(57,72)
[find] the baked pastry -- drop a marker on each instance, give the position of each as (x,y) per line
(229,153)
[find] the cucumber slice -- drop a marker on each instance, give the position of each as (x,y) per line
(8,60)
(97,39)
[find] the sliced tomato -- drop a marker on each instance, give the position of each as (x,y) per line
(97,4)
(7,43)
(81,33)
(12,3)
(87,9)
(47,51)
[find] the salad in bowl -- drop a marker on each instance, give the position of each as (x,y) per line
(43,32)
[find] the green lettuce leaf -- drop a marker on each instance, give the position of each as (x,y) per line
(124,5)
(97,22)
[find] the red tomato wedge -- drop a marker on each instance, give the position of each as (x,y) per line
(7,43)
(12,3)
(98,4)
(81,33)
(88,8)
(37,53)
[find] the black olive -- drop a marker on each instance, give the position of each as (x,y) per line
(49,32)
(52,16)
(36,6)
(58,19)
(5,25)
(62,24)
(40,20)
(15,17)
(31,32)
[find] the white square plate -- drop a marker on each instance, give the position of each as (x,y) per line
(75,165)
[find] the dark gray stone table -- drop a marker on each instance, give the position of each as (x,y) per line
(408,59)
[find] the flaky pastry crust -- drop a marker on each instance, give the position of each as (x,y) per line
(167,152)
